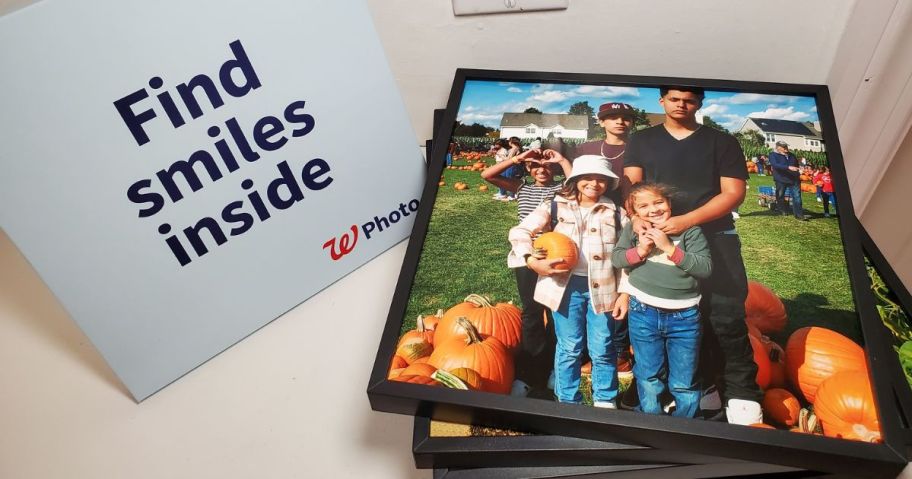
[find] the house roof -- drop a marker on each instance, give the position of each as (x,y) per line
(547,120)
(788,127)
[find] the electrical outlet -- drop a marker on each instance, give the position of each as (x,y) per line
(478,7)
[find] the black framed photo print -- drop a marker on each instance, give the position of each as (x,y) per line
(663,262)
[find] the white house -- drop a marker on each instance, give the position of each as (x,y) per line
(535,125)
(799,136)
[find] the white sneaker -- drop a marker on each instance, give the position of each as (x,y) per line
(735,215)
(551,380)
(743,412)
(520,389)
(498,196)
(605,404)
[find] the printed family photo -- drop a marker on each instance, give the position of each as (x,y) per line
(667,250)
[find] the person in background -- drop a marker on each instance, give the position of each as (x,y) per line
(786,176)
(451,152)
(501,149)
(824,182)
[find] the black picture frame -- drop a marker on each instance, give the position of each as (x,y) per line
(666,433)
(570,456)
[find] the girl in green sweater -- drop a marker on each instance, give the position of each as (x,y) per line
(664,315)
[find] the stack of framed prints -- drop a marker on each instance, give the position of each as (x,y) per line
(821,367)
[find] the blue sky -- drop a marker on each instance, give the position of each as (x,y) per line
(485,102)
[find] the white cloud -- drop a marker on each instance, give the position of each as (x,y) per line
(607,91)
(551,96)
(747,98)
(490,119)
(730,121)
(514,89)
(714,109)
(814,109)
(781,114)
(540,87)
(469,108)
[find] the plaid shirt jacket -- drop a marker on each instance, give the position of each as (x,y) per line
(599,234)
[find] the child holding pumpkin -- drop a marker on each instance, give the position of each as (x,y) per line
(581,298)
(664,309)
(537,345)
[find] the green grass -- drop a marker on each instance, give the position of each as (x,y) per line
(466,247)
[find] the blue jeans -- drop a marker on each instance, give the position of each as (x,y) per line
(578,327)
(795,192)
(666,343)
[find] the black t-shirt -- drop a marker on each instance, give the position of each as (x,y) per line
(693,166)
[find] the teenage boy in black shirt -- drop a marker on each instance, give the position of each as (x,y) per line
(707,169)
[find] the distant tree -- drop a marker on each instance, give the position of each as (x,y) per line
(532,109)
(751,137)
(640,120)
(592,126)
(707,121)
(474,130)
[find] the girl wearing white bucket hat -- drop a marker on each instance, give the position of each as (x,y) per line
(584,299)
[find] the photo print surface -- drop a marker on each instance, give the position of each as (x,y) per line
(644,251)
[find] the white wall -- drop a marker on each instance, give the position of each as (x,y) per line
(871,86)
(738,40)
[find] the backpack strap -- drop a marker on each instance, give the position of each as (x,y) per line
(553,214)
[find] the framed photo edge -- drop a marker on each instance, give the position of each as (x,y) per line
(789,449)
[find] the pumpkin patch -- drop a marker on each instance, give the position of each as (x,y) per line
(813,354)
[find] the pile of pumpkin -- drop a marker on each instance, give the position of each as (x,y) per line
(477,166)
(819,369)
(817,384)
(470,346)
(470,155)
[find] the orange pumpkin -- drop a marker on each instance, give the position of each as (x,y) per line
(502,321)
(845,406)
(556,245)
(781,407)
(415,379)
(486,356)
(761,357)
(763,309)
(778,374)
(398,362)
(430,322)
(419,369)
(415,344)
(813,354)
(469,376)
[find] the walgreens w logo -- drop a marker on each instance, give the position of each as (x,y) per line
(345,244)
